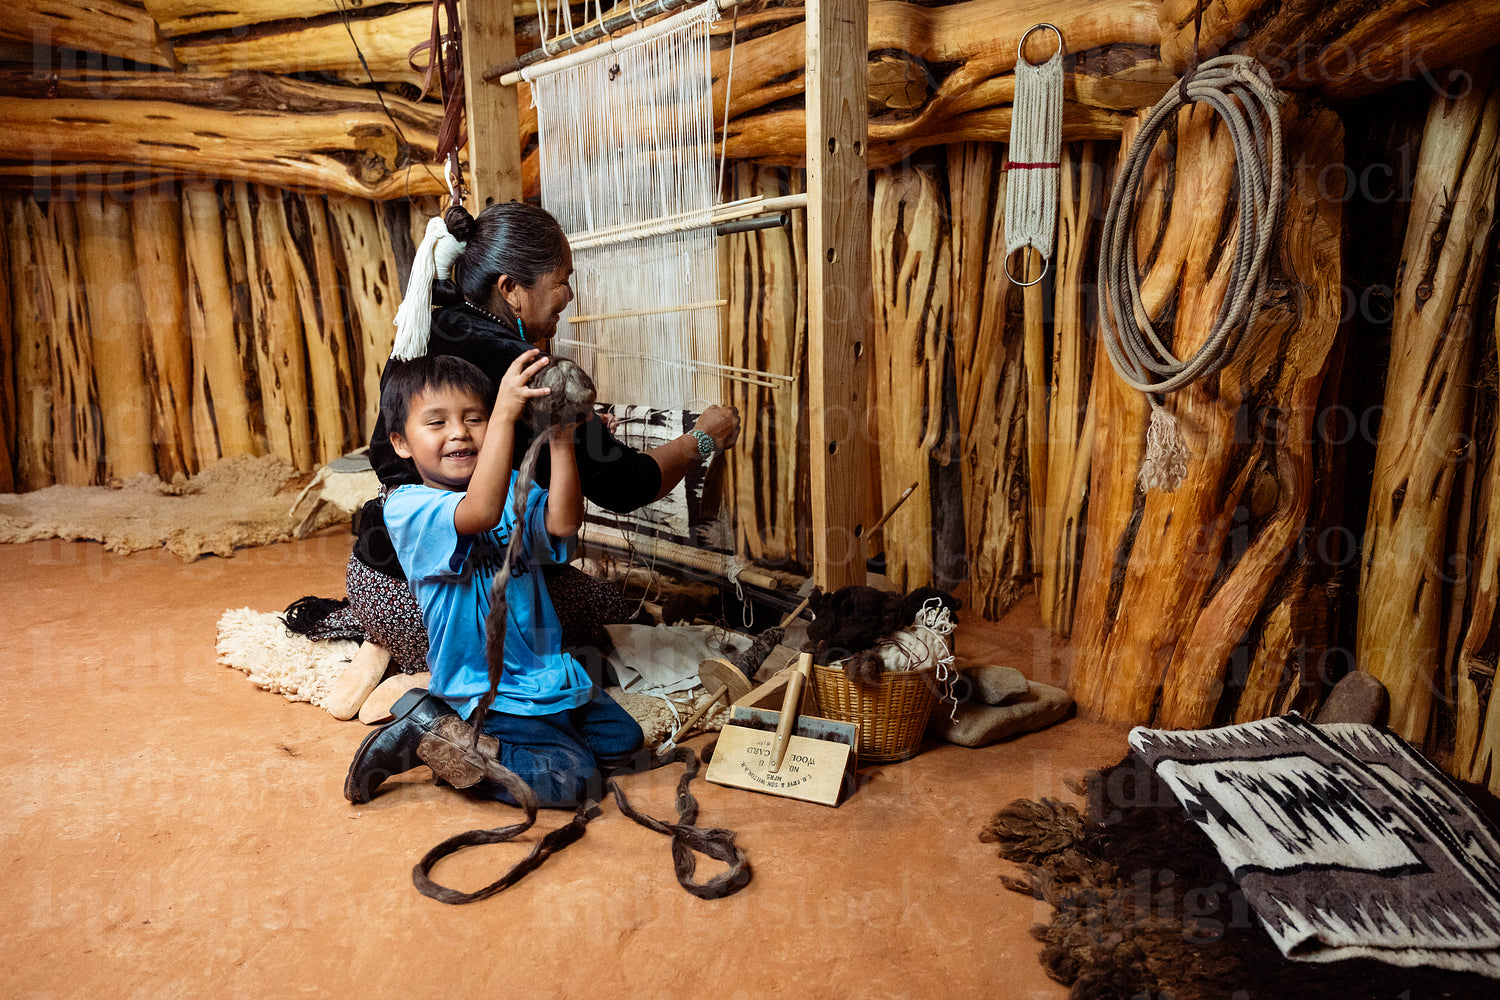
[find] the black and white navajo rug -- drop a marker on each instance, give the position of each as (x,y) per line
(1345,841)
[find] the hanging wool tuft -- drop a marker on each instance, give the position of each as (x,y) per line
(625,132)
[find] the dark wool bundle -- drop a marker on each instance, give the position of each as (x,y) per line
(570,402)
(852,620)
(1144,907)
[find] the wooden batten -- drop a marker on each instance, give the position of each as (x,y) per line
(330,367)
(911,256)
(988,371)
(1173,585)
(32,312)
(766,330)
(117,335)
(276,325)
(109,27)
(222,421)
(161,276)
(1427,397)
(368,265)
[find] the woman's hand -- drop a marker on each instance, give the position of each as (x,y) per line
(722,423)
(515,392)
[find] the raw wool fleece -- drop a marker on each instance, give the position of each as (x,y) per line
(1144,907)
(280,661)
(234,503)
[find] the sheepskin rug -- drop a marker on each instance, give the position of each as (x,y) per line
(299,669)
(234,503)
(282,662)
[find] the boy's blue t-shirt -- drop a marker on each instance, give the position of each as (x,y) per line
(450,575)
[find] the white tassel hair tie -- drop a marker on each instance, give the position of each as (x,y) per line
(434,261)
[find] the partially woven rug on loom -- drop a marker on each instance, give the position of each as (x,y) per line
(1143,905)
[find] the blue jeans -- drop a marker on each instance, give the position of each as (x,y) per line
(560,755)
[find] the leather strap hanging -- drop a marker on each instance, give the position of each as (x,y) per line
(445,58)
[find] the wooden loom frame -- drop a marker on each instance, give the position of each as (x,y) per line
(838,242)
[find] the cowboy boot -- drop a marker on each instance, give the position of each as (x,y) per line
(424,731)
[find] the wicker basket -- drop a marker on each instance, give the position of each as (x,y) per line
(891,713)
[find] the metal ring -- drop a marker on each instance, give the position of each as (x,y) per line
(1025,284)
(1021,45)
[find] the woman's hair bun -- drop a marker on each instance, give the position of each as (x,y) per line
(460,223)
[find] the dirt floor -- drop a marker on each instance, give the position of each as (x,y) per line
(172,831)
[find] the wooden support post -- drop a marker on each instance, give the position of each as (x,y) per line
(838,247)
(493,116)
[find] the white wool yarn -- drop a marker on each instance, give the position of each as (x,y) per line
(434,261)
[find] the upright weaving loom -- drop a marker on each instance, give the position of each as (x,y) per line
(625,131)
(626,163)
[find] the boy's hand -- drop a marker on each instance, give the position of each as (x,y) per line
(514,392)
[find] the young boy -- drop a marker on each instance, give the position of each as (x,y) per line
(556,728)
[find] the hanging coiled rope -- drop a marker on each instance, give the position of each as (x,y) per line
(1241,91)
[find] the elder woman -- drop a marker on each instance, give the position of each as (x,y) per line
(500,281)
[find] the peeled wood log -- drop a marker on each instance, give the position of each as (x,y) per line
(1427,398)
(7,382)
(81,411)
(384,35)
(106,26)
(156,226)
(329,367)
(106,253)
(277,325)
(1058,501)
(185,17)
(107,128)
(911,258)
(367,262)
(766,329)
(1345,48)
(1173,584)
(221,406)
(31,286)
(987,363)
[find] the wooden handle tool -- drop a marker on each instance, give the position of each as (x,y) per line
(790,706)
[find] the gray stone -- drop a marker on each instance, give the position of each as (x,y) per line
(996,685)
(976,724)
(1359,697)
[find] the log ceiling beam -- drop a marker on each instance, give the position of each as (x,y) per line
(253,127)
(108,27)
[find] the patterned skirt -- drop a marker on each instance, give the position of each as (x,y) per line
(391,617)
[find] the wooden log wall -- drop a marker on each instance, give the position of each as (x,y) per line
(1175,588)
(1428,438)
(159,332)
